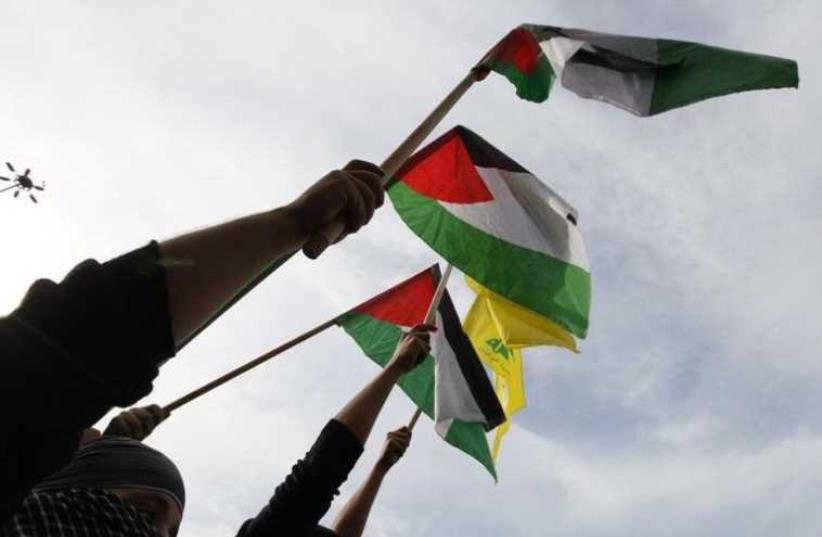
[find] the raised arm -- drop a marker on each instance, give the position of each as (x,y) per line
(74,349)
(305,495)
(361,412)
(70,352)
(206,269)
(352,518)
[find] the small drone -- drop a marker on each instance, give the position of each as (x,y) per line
(22,183)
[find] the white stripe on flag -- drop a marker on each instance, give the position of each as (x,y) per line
(452,396)
(527,213)
(559,50)
(631,90)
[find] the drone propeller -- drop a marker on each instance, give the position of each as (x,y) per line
(4,178)
(16,193)
(33,198)
(39,187)
(26,173)
(10,166)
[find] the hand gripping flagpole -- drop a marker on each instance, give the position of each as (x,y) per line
(317,243)
(329,234)
(430,318)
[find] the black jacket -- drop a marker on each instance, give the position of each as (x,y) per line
(305,495)
(69,353)
(73,350)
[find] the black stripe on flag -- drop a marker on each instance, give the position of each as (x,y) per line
(470,365)
(484,154)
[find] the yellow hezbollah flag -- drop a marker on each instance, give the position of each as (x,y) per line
(499,328)
(505,363)
(520,327)
(517,392)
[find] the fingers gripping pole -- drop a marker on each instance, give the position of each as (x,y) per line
(430,318)
(317,243)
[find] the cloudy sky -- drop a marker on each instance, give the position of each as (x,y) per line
(694,406)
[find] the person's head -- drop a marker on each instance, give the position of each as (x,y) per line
(134,472)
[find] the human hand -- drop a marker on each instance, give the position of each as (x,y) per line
(412,349)
(352,194)
(88,436)
(396,443)
(136,423)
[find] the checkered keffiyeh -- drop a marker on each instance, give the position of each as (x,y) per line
(77,513)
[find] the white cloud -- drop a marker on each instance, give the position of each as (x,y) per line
(674,489)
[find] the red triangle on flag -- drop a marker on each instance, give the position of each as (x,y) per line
(406,303)
(448,158)
(519,48)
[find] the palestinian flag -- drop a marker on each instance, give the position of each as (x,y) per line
(641,75)
(450,385)
(495,221)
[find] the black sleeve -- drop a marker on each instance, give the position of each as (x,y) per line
(69,353)
(304,497)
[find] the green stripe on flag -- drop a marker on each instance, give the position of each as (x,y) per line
(690,72)
(534,86)
(548,286)
(470,438)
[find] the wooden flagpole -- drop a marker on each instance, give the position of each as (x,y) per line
(204,389)
(316,244)
(430,318)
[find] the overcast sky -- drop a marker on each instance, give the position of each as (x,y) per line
(693,408)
